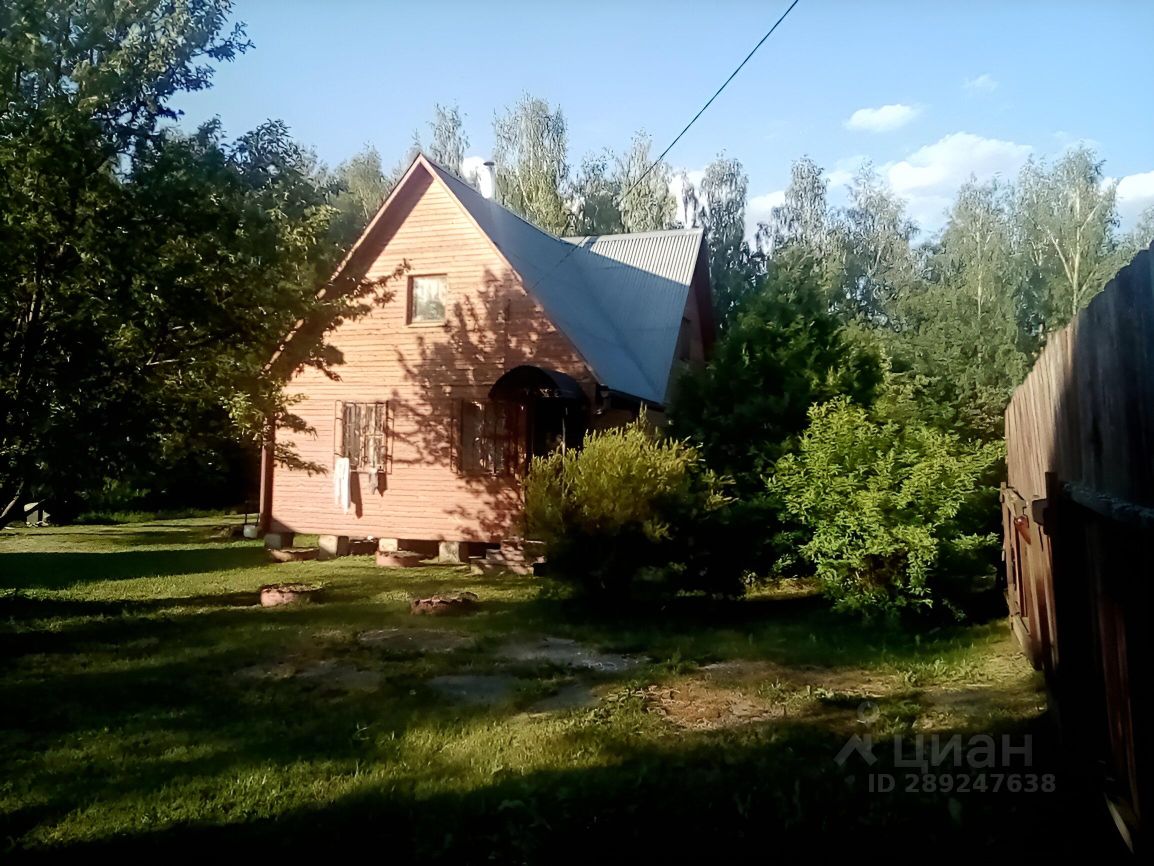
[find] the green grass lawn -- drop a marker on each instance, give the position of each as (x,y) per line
(147,703)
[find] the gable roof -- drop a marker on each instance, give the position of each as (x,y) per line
(618,298)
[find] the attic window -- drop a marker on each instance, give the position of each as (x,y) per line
(427,299)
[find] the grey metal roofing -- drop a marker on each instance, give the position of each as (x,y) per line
(618,298)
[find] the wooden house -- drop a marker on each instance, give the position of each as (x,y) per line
(500,342)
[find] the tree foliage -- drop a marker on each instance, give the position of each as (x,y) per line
(360,185)
(891,506)
(532,159)
(1065,217)
(449,143)
(803,220)
(646,203)
(783,352)
(719,207)
(150,275)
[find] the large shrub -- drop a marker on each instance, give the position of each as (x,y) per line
(893,507)
(632,507)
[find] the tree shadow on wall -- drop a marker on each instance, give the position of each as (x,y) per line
(484,335)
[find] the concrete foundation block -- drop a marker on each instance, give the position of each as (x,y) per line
(332,546)
(279,540)
(452,551)
(388,545)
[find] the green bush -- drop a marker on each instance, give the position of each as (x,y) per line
(631,509)
(893,507)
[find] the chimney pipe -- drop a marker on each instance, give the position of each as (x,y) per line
(487,180)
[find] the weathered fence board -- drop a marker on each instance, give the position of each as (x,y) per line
(1078,531)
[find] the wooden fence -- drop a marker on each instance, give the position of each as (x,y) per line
(1078,533)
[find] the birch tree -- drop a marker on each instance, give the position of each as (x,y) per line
(803,219)
(531,155)
(1065,217)
(646,204)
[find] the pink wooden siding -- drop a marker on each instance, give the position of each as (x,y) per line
(423,370)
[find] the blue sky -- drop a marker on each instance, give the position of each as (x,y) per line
(929,91)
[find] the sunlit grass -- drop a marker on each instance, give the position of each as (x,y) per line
(131,713)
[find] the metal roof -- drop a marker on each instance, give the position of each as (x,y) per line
(618,298)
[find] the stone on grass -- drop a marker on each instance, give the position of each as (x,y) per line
(326,674)
(276,594)
(292,554)
(398,559)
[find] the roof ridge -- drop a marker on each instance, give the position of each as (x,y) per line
(454,177)
(569,267)
(653,233)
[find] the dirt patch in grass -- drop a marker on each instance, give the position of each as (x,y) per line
(700,705)
(757,673)
(564,652)
(401,640)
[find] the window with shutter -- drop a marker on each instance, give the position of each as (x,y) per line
(364,439)
(491,439)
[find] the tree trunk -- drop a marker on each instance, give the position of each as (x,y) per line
(13,500)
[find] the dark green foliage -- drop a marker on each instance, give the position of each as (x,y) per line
(632,508)
(891,505)
(150,276)
(783,352)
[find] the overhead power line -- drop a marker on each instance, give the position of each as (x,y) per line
(724,84)
(665,152)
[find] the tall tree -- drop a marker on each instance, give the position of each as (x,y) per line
(783,352)
(360,186)
(977,252)
(1140,237)
(875,253)
(149,275)
(449,142)
(720,202)
(803,219)
(957,329)
(1065,217)
(595,200)
(531,154)
(646,203)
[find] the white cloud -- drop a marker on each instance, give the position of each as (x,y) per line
(677,185)
(930,176)
(984,83)
(883,119)
(758,210)
(844,170)
(470,165)
(1135,193)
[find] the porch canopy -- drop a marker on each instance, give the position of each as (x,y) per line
(526,382)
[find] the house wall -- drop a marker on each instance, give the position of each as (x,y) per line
(423,371)
(700,330)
